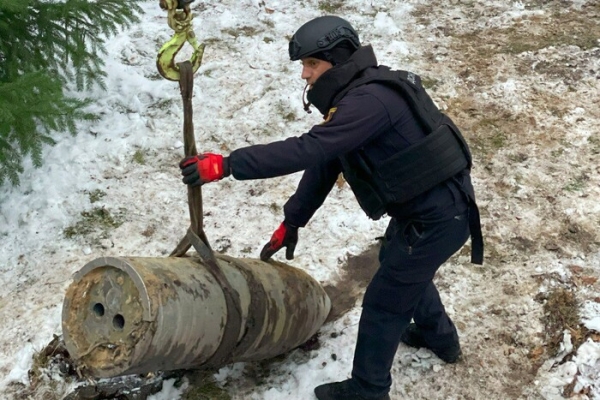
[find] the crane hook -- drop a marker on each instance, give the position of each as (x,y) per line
(180,20)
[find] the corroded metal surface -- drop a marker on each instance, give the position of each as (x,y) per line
(136,315)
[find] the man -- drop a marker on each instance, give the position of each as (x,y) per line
(400,156)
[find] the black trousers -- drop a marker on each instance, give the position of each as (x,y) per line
(402,289)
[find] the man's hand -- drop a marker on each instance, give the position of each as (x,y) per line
(285,236)
(203,168)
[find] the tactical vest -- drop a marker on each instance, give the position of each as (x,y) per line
(442,154)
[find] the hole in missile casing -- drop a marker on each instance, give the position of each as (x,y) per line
(88,335)
(98,309)
(118,321)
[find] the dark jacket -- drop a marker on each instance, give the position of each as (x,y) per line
(373,118)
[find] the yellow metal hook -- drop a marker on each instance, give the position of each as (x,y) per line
(180,20)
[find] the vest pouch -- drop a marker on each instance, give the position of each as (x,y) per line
(359,176)
(421,166)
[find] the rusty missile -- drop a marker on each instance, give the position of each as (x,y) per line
(131,315)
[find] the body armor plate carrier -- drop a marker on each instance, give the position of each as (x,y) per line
(441,155)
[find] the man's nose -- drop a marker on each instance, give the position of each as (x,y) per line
(305,73)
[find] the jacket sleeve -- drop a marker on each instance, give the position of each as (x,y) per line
(315,185)
(359,117)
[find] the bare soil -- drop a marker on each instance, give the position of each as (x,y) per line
(525,89)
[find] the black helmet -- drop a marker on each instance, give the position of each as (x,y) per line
(322,34)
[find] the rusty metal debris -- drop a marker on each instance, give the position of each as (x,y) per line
(134,315)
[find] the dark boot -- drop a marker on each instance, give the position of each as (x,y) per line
(342,391)
(413,337)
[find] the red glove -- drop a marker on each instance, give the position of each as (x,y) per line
(285,236)
(203,168)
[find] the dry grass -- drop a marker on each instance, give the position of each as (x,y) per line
(513,86)
(561,313)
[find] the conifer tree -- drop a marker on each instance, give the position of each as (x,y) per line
(43,45)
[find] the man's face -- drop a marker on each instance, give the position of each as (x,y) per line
(313,68)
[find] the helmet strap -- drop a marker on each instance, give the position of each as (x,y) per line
(306,103)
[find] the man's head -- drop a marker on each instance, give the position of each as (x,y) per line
(322,43)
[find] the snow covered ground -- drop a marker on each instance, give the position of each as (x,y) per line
(521,78)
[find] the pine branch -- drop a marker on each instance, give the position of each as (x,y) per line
(44,45)
(60,36)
